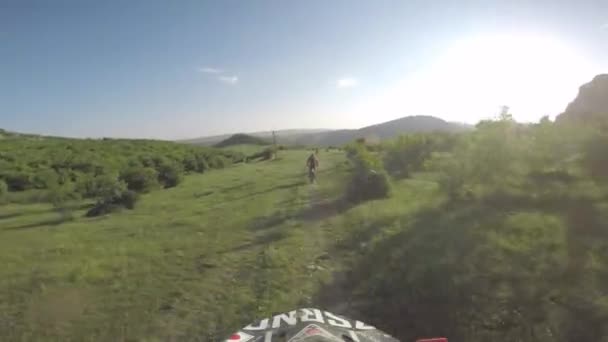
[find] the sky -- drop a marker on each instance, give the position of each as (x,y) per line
(185,69)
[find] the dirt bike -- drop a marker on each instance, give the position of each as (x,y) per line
(313,325)
(312,175)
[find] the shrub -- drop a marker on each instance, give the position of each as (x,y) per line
(102,208)
(369,180)
(202,163)
(60,196)
(18,181)
(169,175)
(3,187)
(45,179)
(98,186)
(190,163)
(113,197)
(367,185)
(595,157)
(269,153)
(218,162)
(140,179)
(407,154)
(128,199)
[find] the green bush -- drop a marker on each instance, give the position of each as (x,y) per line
(113,197)
(367,185)
(269,153)
(19,181)
(201,165)
(128,199)
(408,154)
(140,179)
(369,180)
(190,164)
(169,175)
(60,197)
(3,187)
(595,157)
(218,162)
(35,164)
(45,179)
(102,208)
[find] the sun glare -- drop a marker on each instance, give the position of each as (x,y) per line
(534,75)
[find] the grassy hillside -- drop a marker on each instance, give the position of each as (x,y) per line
(496,234)
(246,149)
(284,136)
(190,262)
(241,139)
(110,171)
(382,131)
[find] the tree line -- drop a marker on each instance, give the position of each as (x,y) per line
(513,248)
(112,172)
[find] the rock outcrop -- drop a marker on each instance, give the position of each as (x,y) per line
(590,104)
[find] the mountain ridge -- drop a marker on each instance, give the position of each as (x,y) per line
(326,137)
(591,102)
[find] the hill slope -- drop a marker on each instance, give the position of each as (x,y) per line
(241,139)
(491,245)
(288,134)
(193,262)
(386,130)
(591,101)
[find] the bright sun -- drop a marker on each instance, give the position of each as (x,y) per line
(534,75)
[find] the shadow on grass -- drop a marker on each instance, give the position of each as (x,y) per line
(79,206)
(324,209)
(9,216)
(49,222)
(203,194)
(261,239)
(317,211)
(274,188)
(237,187)
(453,271)
(268,222)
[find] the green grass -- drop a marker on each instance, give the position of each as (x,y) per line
(190,262)
(223,248)
(246,149)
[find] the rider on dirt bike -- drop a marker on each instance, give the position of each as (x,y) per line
(312,163)
(310,325)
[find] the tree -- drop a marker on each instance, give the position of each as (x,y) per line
(369,180)
(18,181)
(169,175)
(140,179)
(45,179)
(60,195)
(112,196)
(408,154)
(3,188)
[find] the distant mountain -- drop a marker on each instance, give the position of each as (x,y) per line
(241,139)
(383,131)
(590,103)
(285,134)
(321,137)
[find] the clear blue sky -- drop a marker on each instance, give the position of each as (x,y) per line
(179,69)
